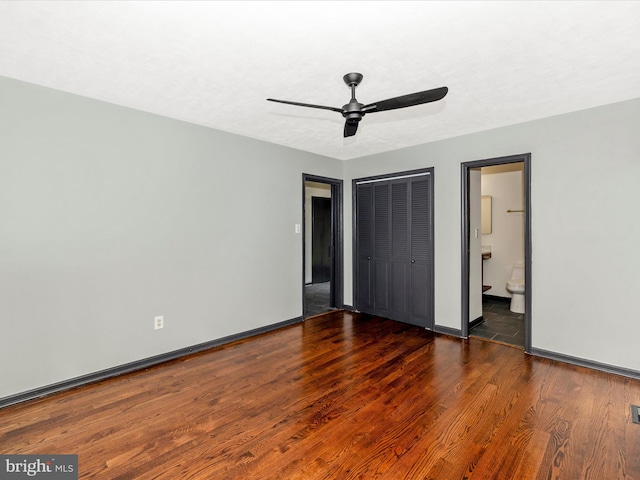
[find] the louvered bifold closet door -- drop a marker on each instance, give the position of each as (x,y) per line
(364,248)
(394,249)
(381,248)
(421,254)
(400,258)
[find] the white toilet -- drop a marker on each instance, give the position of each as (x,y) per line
(516,287)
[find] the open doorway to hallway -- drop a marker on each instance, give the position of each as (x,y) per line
(322,237)
(496,250)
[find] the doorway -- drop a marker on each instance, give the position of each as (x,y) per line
(322,245)
(484,311)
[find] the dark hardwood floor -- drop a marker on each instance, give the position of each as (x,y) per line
(342,396)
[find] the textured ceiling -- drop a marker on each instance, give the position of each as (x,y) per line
(215,63)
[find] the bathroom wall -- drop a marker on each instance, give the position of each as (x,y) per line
(475,252)
(505,185)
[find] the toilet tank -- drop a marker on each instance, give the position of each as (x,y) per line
(518,270)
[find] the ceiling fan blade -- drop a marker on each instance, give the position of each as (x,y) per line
(407,100)
(350,129)
(334,109)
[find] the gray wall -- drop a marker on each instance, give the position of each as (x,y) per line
(585,201)
(110,216)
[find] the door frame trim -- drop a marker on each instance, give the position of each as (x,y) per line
(337,243)
(392,176)
(465,168)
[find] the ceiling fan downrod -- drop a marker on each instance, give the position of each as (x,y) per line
(352,111)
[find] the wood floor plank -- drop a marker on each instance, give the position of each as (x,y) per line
(342,396)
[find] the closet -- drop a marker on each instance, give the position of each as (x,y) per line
(394,247)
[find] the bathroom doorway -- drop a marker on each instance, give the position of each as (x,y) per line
(496,231)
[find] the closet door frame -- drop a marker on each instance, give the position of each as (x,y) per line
(388,177)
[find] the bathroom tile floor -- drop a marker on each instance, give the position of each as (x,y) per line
(500,324)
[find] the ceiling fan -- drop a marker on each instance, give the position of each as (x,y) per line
(354,110)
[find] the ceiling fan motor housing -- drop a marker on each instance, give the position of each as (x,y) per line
(352,111)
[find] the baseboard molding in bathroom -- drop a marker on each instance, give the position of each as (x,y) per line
(581,362)
(496,298)
(475,322)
